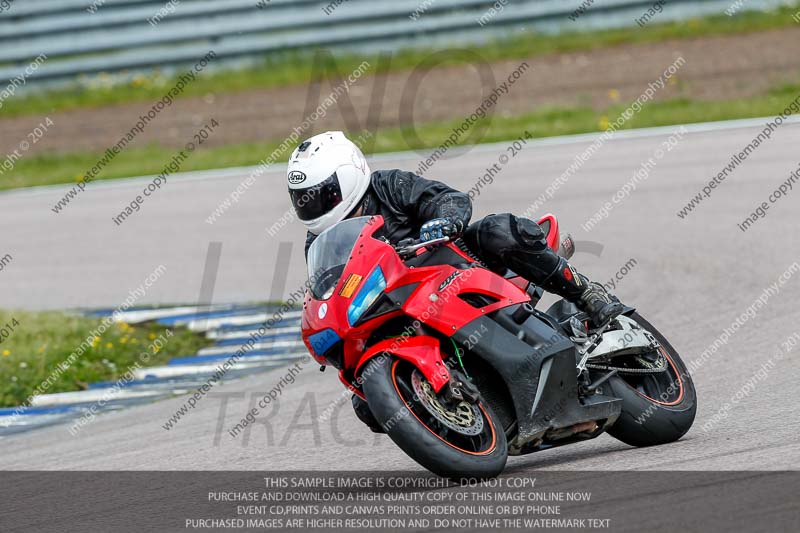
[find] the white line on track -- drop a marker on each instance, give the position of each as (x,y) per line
(225,173)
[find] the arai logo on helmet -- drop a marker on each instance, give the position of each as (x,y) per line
(295,177)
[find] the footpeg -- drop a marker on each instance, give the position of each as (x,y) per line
(522,313)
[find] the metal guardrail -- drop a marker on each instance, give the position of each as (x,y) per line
(117,37)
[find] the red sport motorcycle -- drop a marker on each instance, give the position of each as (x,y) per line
(461,370)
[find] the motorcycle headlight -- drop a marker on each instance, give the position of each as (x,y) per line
(374,285)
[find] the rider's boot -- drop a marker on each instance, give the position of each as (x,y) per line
(554,274)
(592,298)
(505,241)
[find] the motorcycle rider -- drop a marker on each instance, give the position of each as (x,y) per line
(329,181)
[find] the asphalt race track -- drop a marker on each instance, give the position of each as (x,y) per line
(692,278)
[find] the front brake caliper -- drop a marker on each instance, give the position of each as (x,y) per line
(459,388)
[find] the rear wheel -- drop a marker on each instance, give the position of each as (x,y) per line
(454,440)
(657,406)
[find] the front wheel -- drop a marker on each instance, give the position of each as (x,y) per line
(456,441)
(657,407)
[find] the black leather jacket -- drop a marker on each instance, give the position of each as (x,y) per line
(406,201)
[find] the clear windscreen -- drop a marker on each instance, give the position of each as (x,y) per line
(329,253)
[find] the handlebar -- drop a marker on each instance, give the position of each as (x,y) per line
(408,247)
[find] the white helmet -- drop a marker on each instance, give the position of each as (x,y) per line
(327,177)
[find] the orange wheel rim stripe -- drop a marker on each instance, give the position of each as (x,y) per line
(680,383)
(480,406)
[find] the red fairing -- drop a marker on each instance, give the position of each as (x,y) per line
(553,240)
(422,352)
(434,302)
(550,224)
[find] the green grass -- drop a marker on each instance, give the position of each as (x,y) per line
(42,340)
(296,68)
(569,121)
(48,169)
(52,169)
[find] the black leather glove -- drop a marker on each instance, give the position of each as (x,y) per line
(436,229)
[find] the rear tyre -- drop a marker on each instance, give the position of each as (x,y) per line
(465,441)
(656,408)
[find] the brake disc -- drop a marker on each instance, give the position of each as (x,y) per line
(465,418)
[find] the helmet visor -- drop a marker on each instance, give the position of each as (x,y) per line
(313,202)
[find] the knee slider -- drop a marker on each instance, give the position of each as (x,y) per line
(528,233)
(497,233)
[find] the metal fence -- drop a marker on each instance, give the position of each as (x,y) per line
(85,37)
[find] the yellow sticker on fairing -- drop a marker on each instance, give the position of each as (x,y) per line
(350,285)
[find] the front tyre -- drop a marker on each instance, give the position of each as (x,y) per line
(456,441)
(656,408)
